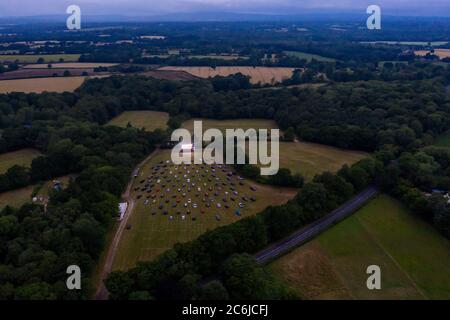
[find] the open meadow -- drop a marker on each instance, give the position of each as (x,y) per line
(21,157)
(414,258)
(150,120)
(182,202)
(263,75)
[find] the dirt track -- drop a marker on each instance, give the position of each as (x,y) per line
(102,292)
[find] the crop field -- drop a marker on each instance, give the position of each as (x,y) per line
(39,85)
(264,75)
(414,258)
(309,56)
(44,73)
(441,53)
(169,75)
(184,202)
(150,120)
(73,65)
(28,58)
(21,157)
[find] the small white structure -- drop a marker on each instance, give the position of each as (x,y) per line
(122,209)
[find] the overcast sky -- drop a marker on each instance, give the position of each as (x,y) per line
(156,7)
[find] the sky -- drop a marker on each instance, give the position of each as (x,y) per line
(160,7)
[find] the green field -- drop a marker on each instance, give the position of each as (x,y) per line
(414,258)
(150,120)
(309,56)
(310,159)
(151,235)
(21,157)
(17,198)
(443,140)
(28,58)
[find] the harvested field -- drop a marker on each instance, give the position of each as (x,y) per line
(43,73)
(56,84)
(262,75)
(169,75)
(441,53)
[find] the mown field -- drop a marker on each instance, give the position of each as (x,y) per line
(414,258)
(310,159)
(28,58)
(21,157)
(151,234)
(150,120)
(264,75)
(39,85)
(309,56)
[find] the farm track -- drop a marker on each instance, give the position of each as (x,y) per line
(102,292)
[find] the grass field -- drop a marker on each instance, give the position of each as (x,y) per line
(306,158)
(39,85)
(414,258)
(19,197)
(28,58)
(68,65)
(16,198)
(21,157)
(150,120)
(309,56)
(151,235)
(264,75)
(310,159)
(443,140)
